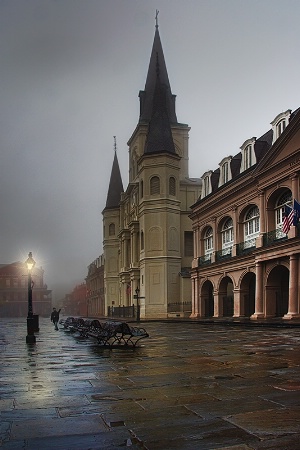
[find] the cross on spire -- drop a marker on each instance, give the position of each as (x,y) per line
(156,19)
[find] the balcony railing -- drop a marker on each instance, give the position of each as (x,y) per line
(225,253)
(246,247)
(273,236)
(203,260)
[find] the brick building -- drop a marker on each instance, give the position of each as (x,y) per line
(14,291)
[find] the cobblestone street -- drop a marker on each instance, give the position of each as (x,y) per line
(189,386)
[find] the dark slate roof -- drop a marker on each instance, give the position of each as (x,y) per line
(146,96)
(115,186)
(159,137)
(261,146)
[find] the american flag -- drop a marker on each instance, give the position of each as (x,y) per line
(288,219)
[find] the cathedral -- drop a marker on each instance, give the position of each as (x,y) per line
(147,232)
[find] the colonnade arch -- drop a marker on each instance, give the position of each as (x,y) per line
(277,291)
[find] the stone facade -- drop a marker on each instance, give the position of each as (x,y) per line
(146,227)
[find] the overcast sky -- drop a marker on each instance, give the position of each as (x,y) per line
(70,74)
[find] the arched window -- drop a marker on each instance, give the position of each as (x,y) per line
(248,157)
(227,234)
(154,186)
(142,240)
(284,199)
(112,229)
(208,241)
(142,189)
(280,127)
(172,186)
(206,185)
(251,225)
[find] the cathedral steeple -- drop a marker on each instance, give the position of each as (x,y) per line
(115,185)
(146,96)
(159,136)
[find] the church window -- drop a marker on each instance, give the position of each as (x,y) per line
(112,229)
(172,186)
(142,240)
(154,186)
(142,189)
(188,243)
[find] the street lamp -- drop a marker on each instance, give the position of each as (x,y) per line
(137,292)
(30,338)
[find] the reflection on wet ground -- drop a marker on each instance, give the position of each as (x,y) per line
(189,386)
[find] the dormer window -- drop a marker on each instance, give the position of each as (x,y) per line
(225,171)
(280,123)
(206,184)
(248,154)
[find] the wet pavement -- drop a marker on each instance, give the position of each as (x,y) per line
(189,386)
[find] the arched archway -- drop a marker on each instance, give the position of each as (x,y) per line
(248,294)
(277,292)
(226,296)
(207,299)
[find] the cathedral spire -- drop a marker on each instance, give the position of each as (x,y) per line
(146,96)
(159,136)
(115,185)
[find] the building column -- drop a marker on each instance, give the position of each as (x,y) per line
(195,297)
(259,307)
(295,186)
(218,304)
(237,303)
(134,248)
(293,288)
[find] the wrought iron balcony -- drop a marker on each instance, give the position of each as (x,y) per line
(223,254)
(274,236)
(204,260)
(246,247)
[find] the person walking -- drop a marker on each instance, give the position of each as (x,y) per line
(55,318)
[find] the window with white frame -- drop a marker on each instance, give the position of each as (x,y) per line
(206,184)
(284,200)
(280,123)
(208,241)
(251,225)
(227,234)
(225,171)
(248,154)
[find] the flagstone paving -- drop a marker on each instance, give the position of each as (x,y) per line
(189,386)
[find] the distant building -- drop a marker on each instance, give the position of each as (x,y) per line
(246,259)
(95,288)
(147,233)
(75,303)
(14,291)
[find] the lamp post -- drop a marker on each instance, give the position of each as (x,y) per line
(30,338)
(137,292)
